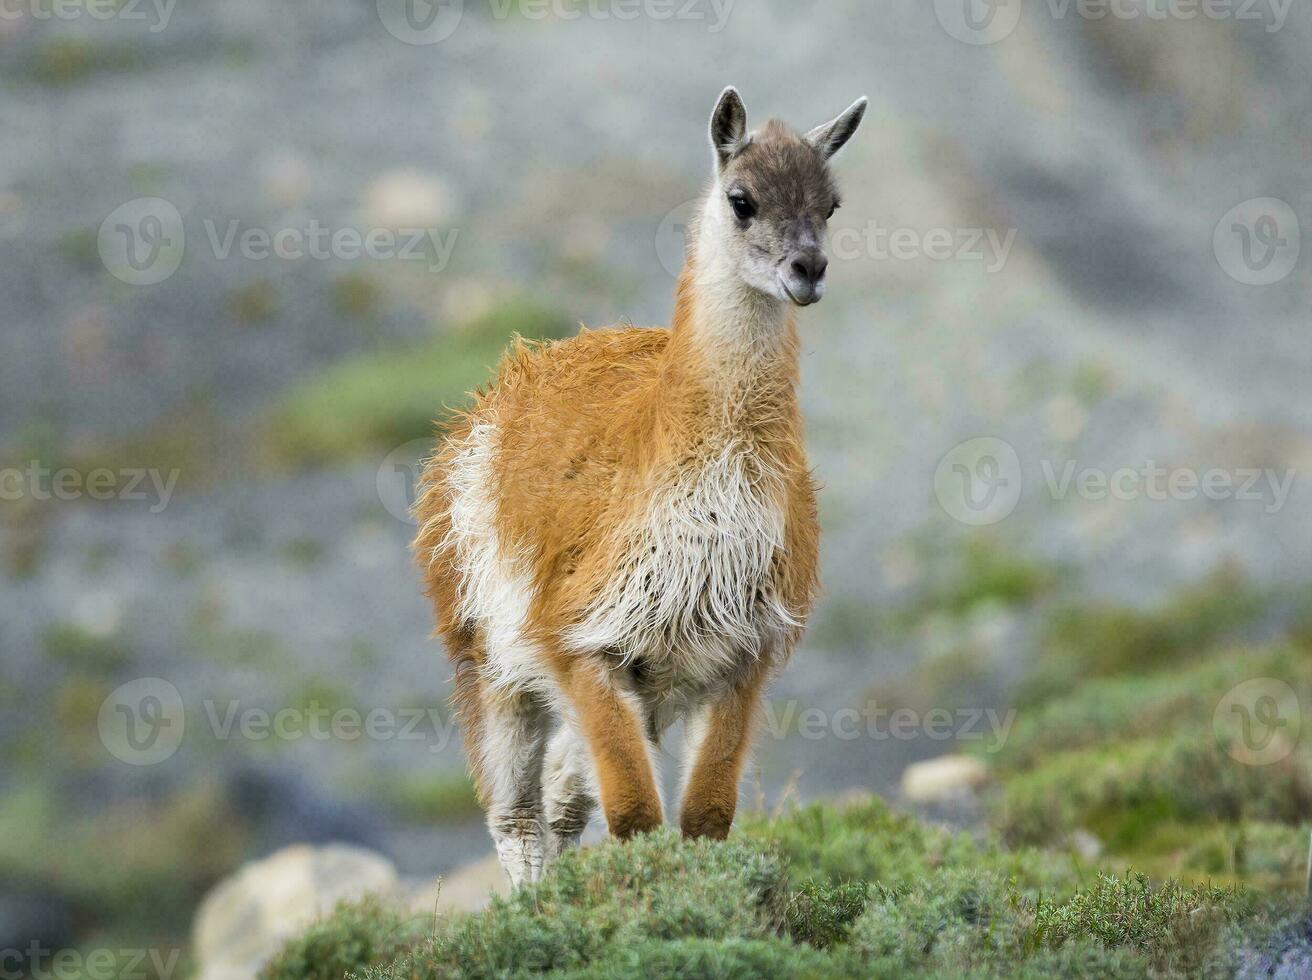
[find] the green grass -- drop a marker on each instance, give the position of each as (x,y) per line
(780,899)
(135,868)
(1126,743)
(374,403)
(430,798)
(1124,733)
(256,302)
(357,295)
(1103,710)
(66,62)
(981,570)
(73,646)
(1082,640)
(1123,790)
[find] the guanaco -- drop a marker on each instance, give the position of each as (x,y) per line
(621,531)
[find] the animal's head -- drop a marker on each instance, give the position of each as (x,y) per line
(772,199)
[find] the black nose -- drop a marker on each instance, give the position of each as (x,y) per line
(810,266)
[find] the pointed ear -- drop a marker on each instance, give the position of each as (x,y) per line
(728,126)
(830,137)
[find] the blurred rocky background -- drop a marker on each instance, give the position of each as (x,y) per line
(1057,397)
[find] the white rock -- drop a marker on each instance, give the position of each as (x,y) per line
(1085,844)
(466,889)
(285,178)
(1067,418)
(406,199)
(943,778)
(247,917)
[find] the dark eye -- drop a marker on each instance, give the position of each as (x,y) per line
(743,208)
(832,208)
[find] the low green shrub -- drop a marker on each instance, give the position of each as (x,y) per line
(869,841)
(820,913)
(709,959)
(1173,925)
(611,903)
(758,905)
(950,921)
(355,937)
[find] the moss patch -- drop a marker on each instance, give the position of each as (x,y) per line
(376,402)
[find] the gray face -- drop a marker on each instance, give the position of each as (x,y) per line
(776,196)
(780,196)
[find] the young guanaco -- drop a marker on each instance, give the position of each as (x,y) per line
(621,531)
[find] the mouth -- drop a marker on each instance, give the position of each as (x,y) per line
(813,295)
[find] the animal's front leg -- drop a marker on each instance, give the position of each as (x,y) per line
(612,724)
(719,741)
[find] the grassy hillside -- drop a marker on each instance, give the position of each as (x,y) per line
(821,892)
(1144,818)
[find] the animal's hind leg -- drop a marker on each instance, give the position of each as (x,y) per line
(568,788)
(505,739)
(514,741)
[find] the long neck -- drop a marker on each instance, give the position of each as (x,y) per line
(735,341)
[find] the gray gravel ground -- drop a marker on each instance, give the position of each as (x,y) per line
(1110,151)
